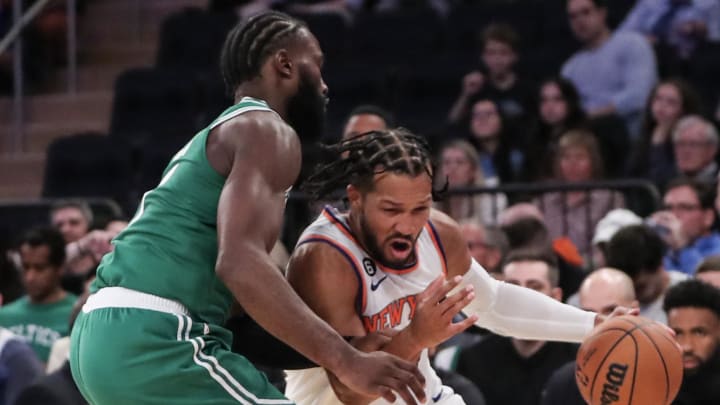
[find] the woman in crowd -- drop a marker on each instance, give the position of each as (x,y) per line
(558,111)
(652,156)
(459,166)
(574,214)
(499,155)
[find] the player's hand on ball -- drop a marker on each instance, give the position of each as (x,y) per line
(618,311)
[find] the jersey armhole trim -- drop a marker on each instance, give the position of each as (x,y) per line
(438,245)
(361,297)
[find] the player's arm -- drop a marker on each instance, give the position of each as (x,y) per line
(326,281)
(264,161)
(508,309)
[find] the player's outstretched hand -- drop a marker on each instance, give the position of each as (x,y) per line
(382,374)
(433,321)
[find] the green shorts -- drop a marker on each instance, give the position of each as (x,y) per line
(140,356)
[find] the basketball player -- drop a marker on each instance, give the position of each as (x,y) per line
(383,264)
(149,333)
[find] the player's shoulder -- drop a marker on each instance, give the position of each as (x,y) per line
(318,253)
(317,264)
(453,242)
(447,228)
(255,128)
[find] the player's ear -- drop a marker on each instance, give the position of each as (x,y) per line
(557,293)
(283,63)
(353,195)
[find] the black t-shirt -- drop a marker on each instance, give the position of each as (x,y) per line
(506,378)
(561,388)
(515,102)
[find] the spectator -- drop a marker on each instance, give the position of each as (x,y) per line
(638,251)
(652,157)
(602,291)
(695,145)
(614,72)
(19,366)
(58,387)
(41,317)
(499,155)
(499,45)
(612,222)
(487,245)
(73,218)
(558,112)
(524,226)
(460,168)
(709,270)
(498,364)
(679,24)
(686,224)
(693,312)
(366,118)
(84,248)
(575,213)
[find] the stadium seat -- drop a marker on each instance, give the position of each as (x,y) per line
(152,102)
(192,38)
(88,165)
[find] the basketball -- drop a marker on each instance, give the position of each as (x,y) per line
(629,360)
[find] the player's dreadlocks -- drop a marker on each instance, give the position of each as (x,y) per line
(250,43)
(361,157)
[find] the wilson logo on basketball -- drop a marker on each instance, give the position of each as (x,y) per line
(613,381)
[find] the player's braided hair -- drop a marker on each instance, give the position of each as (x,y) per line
(361,157)
(251,42)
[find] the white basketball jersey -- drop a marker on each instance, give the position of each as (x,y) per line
(386,299)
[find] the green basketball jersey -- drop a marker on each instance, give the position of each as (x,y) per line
(40,325)
(170,247)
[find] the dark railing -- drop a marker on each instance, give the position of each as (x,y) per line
(641,196)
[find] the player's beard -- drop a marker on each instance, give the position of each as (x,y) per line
(306,110)
(373,247)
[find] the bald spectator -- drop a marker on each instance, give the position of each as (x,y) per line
(695,145)
(638,251)
(709,270)
(602,291)
(487,245)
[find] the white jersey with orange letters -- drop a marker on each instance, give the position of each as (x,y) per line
(386,299)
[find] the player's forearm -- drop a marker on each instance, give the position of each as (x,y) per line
(404,345)
(523,313)
(265,295)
